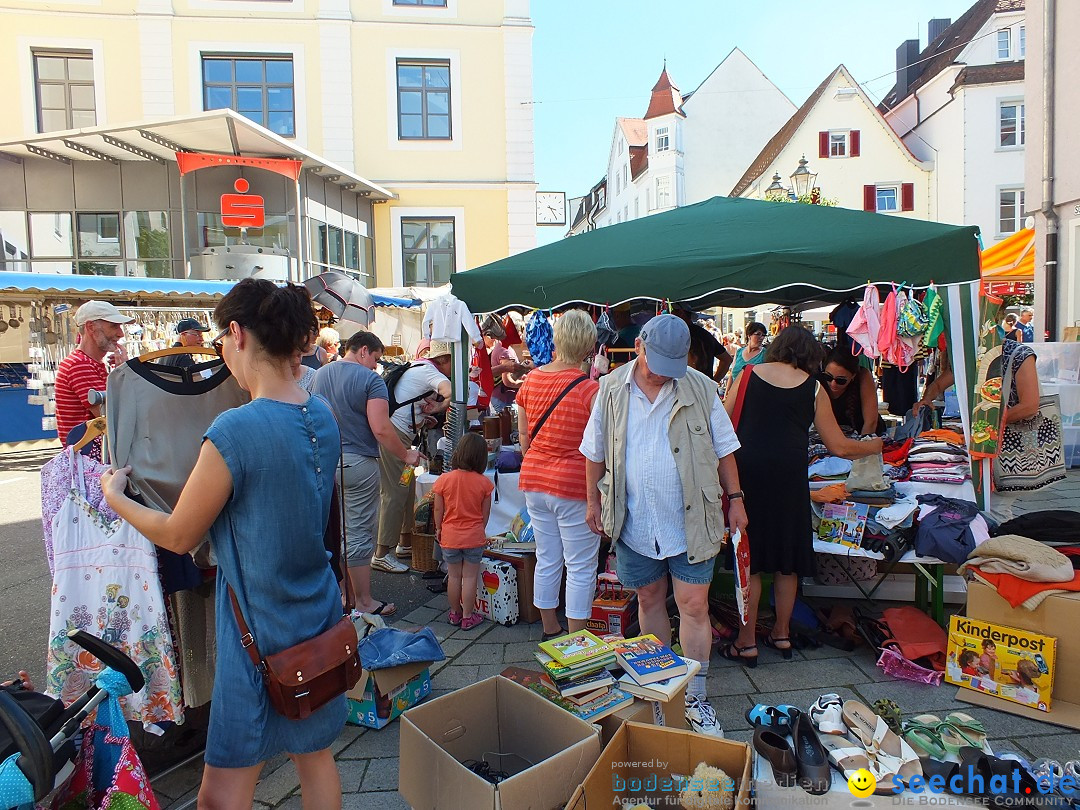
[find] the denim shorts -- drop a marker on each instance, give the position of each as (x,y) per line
(452,556)
(636,570)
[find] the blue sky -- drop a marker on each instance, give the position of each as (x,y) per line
(595,60)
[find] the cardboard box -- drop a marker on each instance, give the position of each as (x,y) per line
(641,763)
(641,711)
(612,611)
(525,565)
(547,751)
(383,694)
(1013,664)
(1057,614)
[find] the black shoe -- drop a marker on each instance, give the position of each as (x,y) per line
(438,587)
(811,761)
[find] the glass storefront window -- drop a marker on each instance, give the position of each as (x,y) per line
(352,250)
(336,246)
(51,236)
(275,233)
(14,246)
(146,236)
(99,235)
(98,268)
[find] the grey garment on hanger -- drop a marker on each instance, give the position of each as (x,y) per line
(157,416)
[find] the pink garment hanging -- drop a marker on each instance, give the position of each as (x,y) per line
(866,324)
(887,327)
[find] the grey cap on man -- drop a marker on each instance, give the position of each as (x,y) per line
(667,343)
(100,311)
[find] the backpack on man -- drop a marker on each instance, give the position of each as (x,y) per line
(392,374)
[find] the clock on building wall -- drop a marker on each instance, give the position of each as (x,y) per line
(551,208)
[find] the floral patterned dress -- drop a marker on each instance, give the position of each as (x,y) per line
(105,582)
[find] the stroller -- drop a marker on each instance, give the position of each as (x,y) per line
(44,747)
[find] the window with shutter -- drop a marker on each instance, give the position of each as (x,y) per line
(907,197)
(823,144)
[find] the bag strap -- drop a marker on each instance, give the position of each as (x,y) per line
(247,640)
(544,416)
(740,397)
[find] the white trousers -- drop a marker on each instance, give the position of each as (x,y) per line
(563,541)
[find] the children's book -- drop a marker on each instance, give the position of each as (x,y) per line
(575,648)
(843,523)
(662,691)
(561,673)
(647,661)
(581,685)
(608,703)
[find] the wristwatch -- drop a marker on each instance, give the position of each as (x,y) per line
(736,494)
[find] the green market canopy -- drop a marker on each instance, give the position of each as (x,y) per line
(728,252)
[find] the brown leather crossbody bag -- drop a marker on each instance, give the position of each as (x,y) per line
(305,677)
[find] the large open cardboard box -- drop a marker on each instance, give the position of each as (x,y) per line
(642,752)
(547,751)
(1056,616)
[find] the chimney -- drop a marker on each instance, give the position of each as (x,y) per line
(906,71)
(935,28)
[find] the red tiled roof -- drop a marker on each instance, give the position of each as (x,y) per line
(778,141)
(990,74)
(635,130)
(639,160)
(666,98)
(944,50)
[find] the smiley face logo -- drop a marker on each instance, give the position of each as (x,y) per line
(862,783)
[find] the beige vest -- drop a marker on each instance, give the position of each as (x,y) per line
(690,436)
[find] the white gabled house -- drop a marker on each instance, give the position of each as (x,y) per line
(686,148)
(960,103)
(858,158)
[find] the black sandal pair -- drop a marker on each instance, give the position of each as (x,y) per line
(774,643)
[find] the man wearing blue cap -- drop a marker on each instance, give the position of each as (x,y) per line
(659,451)
(189,333)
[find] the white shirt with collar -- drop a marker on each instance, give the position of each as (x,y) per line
(654,511)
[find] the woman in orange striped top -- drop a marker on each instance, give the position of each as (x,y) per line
(553,408)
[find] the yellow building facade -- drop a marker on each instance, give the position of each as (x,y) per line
(428,99)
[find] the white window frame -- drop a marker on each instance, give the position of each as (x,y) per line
(457,141)
(664,194)
(393,10)
(398,213)
(25,47)
(1007,41)
(846,136)
(1021,124)
(108,239)
(601,199)
(1019,202)
(897,191)
(663,136)
(293,49)
(1022,46)
(625,175)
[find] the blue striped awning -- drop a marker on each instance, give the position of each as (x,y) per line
(55,284)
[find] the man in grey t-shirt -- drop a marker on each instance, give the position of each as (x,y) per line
(357,395)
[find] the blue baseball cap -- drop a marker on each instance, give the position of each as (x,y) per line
(667,343)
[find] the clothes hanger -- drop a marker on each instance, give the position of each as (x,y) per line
(207,350)
(94,428)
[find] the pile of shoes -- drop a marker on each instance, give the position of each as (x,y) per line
(801,745)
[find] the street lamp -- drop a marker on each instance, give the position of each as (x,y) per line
(776,191)
(802,179)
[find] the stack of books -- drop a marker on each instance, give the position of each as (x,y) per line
(652,670)
(575,676)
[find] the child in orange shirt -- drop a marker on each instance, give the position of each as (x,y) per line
(462,505)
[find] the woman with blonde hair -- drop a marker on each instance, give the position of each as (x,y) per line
(553,408)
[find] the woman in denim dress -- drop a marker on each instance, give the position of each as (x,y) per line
(262,488)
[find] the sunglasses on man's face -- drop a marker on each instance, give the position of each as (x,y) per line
(841,380)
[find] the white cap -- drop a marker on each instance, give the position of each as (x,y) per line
(100,311)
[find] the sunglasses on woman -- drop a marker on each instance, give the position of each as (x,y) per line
(216,344)
(841,380)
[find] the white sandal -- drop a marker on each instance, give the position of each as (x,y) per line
(881,742)
(848,758)
(827,715)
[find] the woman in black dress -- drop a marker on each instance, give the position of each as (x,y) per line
(782,400)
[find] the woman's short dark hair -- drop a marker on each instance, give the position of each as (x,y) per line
(470,454)
(843,358)
(281,318)
(797,347)
(756,326)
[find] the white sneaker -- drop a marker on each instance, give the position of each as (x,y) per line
(389,564)
(701,716)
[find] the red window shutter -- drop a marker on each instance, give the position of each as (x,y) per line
(823,144)
(854,137)
(907,197)
(869,198)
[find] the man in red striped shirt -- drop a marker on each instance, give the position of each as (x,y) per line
(100,327)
